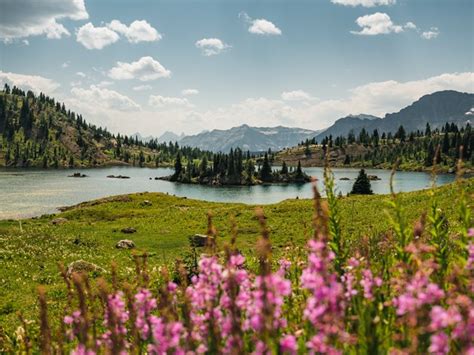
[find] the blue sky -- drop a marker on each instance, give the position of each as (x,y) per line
(194,65)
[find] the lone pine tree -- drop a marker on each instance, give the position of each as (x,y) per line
(362,184)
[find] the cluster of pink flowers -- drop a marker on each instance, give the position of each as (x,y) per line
(226,309)
(326,305)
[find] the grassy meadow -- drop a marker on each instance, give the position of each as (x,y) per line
(31,249)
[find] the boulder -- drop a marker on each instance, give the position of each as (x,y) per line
(84,267)
(118,177)
(125,244)
(128,230)
(146,203)
(198,240)
(344,178)
(59,220)
(78,175)
(373,177)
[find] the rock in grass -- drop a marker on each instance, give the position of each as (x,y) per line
(198,240)
(57,221)
(125,244)
(146,203)
(84,267)
(128,230)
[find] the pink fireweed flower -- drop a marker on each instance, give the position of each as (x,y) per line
(115,319)
(439,344)
(326,305)
(368,282)
(203,295)
(144,305)
(441,318)
(470,258)
(288,345)
(470,232)
(82,350)
(166,337)
(268,293)
(419,292)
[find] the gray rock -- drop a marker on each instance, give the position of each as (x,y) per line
(84,267)
(146,203)
(125,244)
(198,240)
(128,230)
(59,220)
(373,177)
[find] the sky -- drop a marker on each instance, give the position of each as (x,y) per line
(193,65)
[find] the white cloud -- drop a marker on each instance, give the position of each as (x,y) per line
(142,87)
(93,37)
(211,46)
(144,69)
(376,24)
(189,92)
(65,64)
(105,83)
(24,18)
(364,3)
(410,26)
(162,101)
(34,83)
(431,34)
(296,95)
(260,26)
(81,74)
(100,98)
(138,31)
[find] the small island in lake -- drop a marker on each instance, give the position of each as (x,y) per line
(235,169)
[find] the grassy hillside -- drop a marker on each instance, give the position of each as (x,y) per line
(31,249)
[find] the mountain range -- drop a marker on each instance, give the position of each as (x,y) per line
(436,109)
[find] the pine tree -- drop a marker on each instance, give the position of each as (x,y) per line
(266,171)
(284,169)
(362,185)
(178,166)
(299,171)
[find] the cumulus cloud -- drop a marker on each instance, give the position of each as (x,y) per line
(81,74)
(93,37)
(211,46)
(260,26)
(364,3)
(142,87)
(296,95)
(34,83)
(24,18)
(65,64)
(96,97)
(431,34)
(138,31)
(189,92)
(376,24)
(144,69)
(162,101)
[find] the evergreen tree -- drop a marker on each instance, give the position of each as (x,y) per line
(362,184)
(178,165)
(299,171)
(284,169)
(266,171)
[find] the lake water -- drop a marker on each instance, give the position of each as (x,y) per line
(28,193)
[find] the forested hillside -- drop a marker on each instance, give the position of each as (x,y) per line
(414,151)
(37,131)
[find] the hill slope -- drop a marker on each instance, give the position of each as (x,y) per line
(436,109)
(37,131)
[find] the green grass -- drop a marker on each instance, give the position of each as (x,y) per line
(30,250)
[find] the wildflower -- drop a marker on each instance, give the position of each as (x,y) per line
(439,344)
(288,345)
(325,307)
